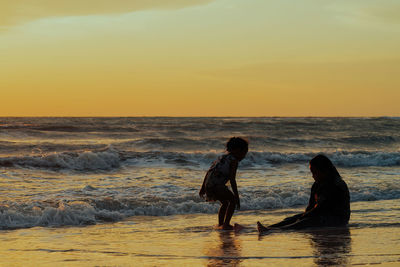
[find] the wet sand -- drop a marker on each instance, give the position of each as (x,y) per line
(191,240)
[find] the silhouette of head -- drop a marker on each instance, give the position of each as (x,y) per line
(237,146)
(322,168)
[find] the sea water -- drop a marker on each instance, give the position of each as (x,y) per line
(124,191)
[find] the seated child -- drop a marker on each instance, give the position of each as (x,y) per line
(329,203)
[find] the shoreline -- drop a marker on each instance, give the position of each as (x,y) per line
(191,240)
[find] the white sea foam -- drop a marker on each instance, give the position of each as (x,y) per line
(73,213)
(97,209)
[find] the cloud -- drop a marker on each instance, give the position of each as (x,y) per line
(383,11)
(14,12)
(389,13)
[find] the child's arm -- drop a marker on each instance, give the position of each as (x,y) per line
(232,179)
(203,187)
(311,201)
(320,204)
(313,211)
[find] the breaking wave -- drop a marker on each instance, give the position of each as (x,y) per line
(83,161)
(93,210)
(111,159)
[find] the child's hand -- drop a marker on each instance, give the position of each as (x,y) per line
(237,203)
(202,192)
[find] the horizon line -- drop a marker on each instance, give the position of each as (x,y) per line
(197,116)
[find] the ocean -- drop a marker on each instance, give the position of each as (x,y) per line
(124,191)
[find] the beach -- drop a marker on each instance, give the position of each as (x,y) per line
(190,240)
(124,191)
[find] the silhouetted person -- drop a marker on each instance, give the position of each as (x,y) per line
(329,203)
(220,172)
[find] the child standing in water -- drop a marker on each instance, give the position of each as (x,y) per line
(221,171)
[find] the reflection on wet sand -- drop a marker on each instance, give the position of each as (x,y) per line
(331,246)
(227,252)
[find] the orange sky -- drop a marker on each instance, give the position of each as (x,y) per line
(200,58)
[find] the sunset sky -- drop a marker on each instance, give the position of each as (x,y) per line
(200,58)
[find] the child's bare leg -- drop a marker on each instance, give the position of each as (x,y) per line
(222,212)
(304,223)
(225,213)
(286,221)
(229,212)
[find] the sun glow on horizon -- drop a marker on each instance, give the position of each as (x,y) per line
(200,58)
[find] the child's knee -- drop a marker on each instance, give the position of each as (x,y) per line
(228,202)
(232,202)
(224,202)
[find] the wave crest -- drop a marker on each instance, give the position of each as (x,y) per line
(78,161)
(110,159)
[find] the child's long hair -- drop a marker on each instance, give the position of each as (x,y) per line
(321,162)
(236,143)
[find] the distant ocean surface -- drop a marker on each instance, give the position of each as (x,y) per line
(81,171)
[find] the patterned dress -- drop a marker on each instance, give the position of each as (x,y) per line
(218,175)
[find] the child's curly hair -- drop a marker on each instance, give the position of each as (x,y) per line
(236,143)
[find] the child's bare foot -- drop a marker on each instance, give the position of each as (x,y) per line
(227,227)
(261,228)
(218,226)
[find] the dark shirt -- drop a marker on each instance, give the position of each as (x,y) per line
(330,198)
